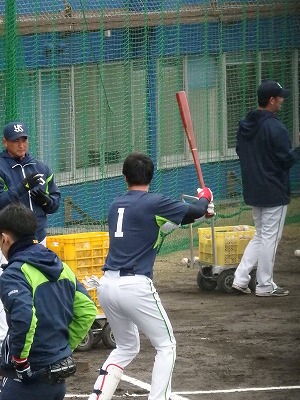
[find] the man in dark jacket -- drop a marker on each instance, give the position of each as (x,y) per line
(266,156)
(25,179)
(48,312)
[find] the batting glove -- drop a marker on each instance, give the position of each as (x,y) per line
(23,369)
(91,282)
(205,193)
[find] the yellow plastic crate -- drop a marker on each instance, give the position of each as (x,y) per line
(94,297)
(230,242)
(84,253)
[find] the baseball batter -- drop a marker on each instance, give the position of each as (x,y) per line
(126,291)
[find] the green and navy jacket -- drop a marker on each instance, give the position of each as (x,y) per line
(48,310)
(12,173)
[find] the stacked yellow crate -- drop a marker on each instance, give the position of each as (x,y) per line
(230,243)
(85,254)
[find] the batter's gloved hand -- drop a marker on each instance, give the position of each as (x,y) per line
(40,197)
(23,369)
(210,210)
(91,283)
(32,180)
(205,193)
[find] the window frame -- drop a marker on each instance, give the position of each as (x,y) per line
(184,158)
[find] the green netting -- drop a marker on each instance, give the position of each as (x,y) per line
(96,79)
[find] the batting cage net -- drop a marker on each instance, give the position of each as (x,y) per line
(95,80)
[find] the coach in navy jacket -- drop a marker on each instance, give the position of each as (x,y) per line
(266,156)
(41,195)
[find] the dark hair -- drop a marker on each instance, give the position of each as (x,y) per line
(138,169)
(17,220)
(263,102)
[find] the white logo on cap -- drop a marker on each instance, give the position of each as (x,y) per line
(279,85)
(18,128)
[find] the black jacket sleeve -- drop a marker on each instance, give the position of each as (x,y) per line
(196,210)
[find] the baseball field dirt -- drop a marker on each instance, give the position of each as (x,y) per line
(224,341)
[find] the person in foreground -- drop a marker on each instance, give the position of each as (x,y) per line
(48,312)
(266,156)
(126,291)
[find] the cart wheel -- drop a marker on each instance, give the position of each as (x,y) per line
(87,342)
(204,283)
(107,337)
(225,280)
(252,283)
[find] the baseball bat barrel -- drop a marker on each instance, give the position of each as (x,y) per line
(186,119)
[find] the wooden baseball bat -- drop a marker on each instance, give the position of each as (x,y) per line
(189,131)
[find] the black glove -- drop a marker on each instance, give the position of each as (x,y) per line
(23,369)
(39,197)
(32,180)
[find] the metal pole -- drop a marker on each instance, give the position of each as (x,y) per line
(10,40)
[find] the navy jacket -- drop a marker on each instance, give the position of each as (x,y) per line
(134,221)
(12,173)
(266,156)
(48,311)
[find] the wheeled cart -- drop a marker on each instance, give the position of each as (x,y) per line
(220,251)
(85,254)
(100,331)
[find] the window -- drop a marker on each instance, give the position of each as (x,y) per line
(202,89)
(201,86)
(86,126)
(278,66)
(170,140)
(241,84)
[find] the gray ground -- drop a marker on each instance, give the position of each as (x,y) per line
(225,341)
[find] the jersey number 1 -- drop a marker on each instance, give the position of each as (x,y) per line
(119,232)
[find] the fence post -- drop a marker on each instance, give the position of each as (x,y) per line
(11,101)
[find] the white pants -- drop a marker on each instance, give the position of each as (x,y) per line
(261,250)
(130,304)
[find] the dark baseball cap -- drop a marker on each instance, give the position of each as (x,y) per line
(15,130)
(268,89)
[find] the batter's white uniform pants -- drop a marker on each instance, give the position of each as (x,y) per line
(132,304)
(261,250)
